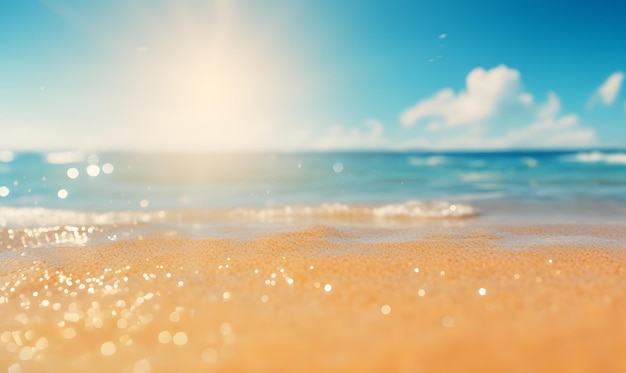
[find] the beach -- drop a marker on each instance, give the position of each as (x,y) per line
(317,298)
(369,262)
(312,186)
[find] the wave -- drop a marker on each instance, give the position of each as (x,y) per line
(6,156)
(29,227)
(597,157)
(406,210)
(470,177)
(433,160)
(16,217)
(64,157)
(39,217)
(14,238)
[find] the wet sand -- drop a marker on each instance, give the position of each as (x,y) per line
(321,299)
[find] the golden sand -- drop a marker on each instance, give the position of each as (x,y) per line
(318,300)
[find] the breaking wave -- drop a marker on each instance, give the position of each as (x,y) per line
(29,227)
(406,210)
(433,160)
(597,157)
(13,217)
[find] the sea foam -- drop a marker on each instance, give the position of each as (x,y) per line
(597,157)
(433,160)
(18,217)
(407,210)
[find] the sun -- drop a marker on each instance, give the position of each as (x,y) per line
(191,75)
(202,76)
(209,77)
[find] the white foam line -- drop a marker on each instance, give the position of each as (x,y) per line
(596,157)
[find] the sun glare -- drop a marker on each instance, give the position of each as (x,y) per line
(205,79)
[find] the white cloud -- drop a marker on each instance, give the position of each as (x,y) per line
(141,49)
(462,120)
(443,36)
(376,129)
(339,137)
(526,99)
(550,108)
(485,92)
(550,128)
(491,113)
(488,94)
(607,92)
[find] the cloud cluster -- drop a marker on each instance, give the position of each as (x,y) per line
(489,93)
(341,138)
(486,90)
(491,112)
(551,129)
(607,92)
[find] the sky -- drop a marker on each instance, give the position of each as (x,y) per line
(312,75)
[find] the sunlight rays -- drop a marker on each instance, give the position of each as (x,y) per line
(202,76)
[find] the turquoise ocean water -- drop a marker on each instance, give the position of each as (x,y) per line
(66,193)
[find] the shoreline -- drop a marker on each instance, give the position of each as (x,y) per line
(321,299)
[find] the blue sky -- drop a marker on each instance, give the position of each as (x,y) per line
(311,75)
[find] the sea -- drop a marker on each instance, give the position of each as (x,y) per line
(74,198)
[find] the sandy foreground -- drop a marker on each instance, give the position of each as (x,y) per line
(321,299)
